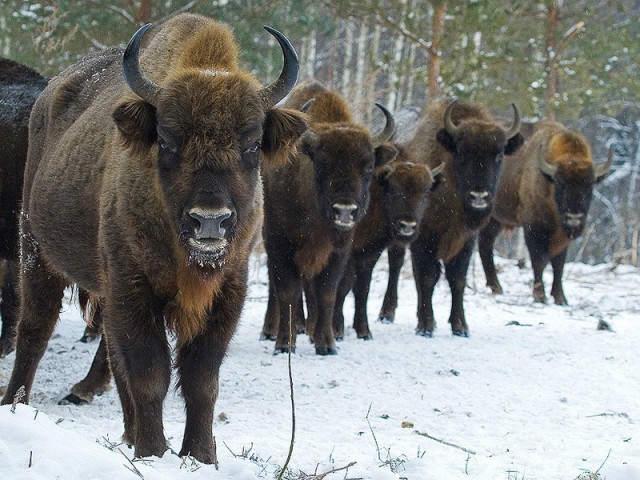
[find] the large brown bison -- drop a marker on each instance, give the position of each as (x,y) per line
(399,197)
(19,88)
(545,188)
(312,205)
(472,145)
(142,185)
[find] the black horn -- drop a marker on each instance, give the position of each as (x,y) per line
(137,82)
(450,128)
(389,127)
(307,105)
(289,75)
(515,127)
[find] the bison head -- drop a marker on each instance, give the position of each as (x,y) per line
(573,180)
(344,157)
(405,193)
(202,135)
(478,148)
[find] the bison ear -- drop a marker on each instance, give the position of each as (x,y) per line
(384,154)
(282,129)
(382,173)
(136,121)
(513,144)
(446,140)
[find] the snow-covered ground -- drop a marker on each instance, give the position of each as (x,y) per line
(549,397)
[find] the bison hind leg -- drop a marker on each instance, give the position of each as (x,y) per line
(324,351)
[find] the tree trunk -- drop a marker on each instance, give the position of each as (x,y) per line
(361,59)
(437,27)
(551,66)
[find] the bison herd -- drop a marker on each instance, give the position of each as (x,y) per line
(151,172)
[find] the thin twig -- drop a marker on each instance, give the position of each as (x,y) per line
(605,461)
(134,469)
(439,440)
(293,404)
(373,434)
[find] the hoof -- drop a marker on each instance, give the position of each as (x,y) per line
(264,337)
(285,349)
(368,336)
(460,333)
(88,338)
(385,319)
(326,351)
(339,338)
(74,399)
(423,332)
(496,289)
(301,331)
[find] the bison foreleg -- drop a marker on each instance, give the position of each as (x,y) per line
(364,270)
(141,364)
(426,272)
(456,273)
(487,238)
(344,287)
(538,246)
(325,285)
(557,292)
(390,303)
(272,316)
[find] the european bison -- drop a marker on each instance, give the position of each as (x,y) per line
(472,145)
(150,198)
(19,88)
(546,188)
(399,197)
(312,205)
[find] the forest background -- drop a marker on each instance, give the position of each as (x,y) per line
(573,61)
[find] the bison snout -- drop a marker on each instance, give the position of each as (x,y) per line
(344,215)
(407,228)
(574,220)
(479,200)
(209,223)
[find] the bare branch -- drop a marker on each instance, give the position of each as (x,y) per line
(439,440)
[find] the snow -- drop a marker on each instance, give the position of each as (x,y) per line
(549,397)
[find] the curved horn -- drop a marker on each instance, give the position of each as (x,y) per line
(289,74)
(544,166)
(307,105)
(137,82)
(449,127)
(438,170)
(515,127)
(602,170)
(389,127)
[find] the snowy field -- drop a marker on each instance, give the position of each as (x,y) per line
(536,393)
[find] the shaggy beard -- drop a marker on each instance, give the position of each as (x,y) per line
(205,259)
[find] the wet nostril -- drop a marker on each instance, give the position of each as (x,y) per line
(210,222)
(345,210)
(479,195)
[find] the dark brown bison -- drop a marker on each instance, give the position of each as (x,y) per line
(545,188)
(312,205)
(399,197)
(19,88)
(149,197)
(472,145)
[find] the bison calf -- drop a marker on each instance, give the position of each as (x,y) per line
(399,197)
(142,185)
(545,188)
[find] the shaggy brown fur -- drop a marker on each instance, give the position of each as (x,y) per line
(19,88)
(161,213)
(399,196)
(544,205)
(458,208)
(302,239)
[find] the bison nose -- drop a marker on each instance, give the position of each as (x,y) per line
(407,228)
(574,219)
(210,222)
(344,214)
(479,200)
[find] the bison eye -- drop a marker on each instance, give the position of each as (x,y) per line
(251,156)
(168,156)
